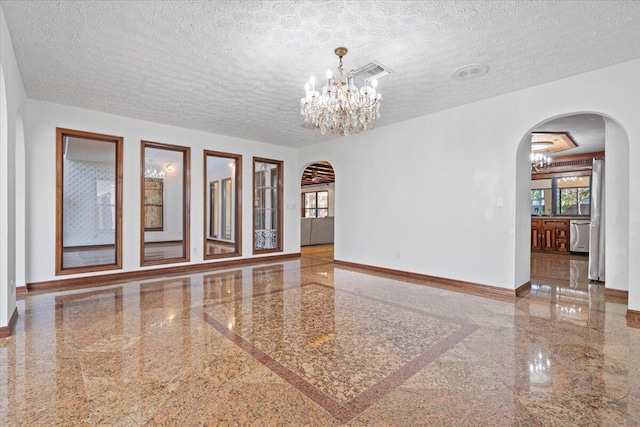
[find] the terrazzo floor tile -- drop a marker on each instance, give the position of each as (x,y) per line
(309,343)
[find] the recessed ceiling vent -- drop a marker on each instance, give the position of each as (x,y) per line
(371,71)
(470,72)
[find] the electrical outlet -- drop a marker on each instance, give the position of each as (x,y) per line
(398,254)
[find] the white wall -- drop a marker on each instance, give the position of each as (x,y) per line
(437,205)
(12,103)
(616,206)
(41,120)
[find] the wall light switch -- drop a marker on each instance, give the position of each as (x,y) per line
(500,201)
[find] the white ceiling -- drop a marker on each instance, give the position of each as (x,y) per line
(239,67)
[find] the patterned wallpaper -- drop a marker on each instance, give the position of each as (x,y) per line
(89,203)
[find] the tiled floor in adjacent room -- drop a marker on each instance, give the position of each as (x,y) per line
(308,343)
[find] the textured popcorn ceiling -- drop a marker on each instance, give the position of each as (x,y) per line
(239,67)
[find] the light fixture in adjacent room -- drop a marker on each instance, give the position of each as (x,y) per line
(169,167)
(340,107)
(540,162)
(151,172)
(538,146)
(551,142)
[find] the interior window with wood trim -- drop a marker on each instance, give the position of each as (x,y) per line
(267,205)
(88,201)
(164,203)
(222,204)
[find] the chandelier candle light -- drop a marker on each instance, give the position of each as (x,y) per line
(540,162)
(151,172)
(340,108)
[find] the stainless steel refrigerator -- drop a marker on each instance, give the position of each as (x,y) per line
(596,226)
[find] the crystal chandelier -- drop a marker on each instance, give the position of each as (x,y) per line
(540,162)
(151,172)
(340,108)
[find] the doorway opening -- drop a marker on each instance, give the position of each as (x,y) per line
(317,211)
(577,208)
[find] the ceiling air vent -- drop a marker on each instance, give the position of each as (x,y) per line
(371,71)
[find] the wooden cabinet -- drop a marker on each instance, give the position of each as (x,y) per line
(561,237)
(550,235)
(536,234)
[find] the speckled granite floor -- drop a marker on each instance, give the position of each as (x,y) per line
(307,343)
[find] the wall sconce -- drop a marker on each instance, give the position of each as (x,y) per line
(169,167)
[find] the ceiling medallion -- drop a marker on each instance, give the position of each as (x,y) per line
(551,142)
(539,146)
(340,108)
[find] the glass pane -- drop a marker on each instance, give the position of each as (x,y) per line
(214,209)
(537,202)
(574,201)
(274,200)
(323,199)
(153,204)
(164,203)
(309,200)
(266,205)
(323,213)
(226,210)
(259,220)
(309,213)
(89,202)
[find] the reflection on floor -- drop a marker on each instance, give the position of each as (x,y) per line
(307,343)
(319,252)
(563,278)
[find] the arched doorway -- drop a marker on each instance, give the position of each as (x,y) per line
(317,210)
(594,135)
